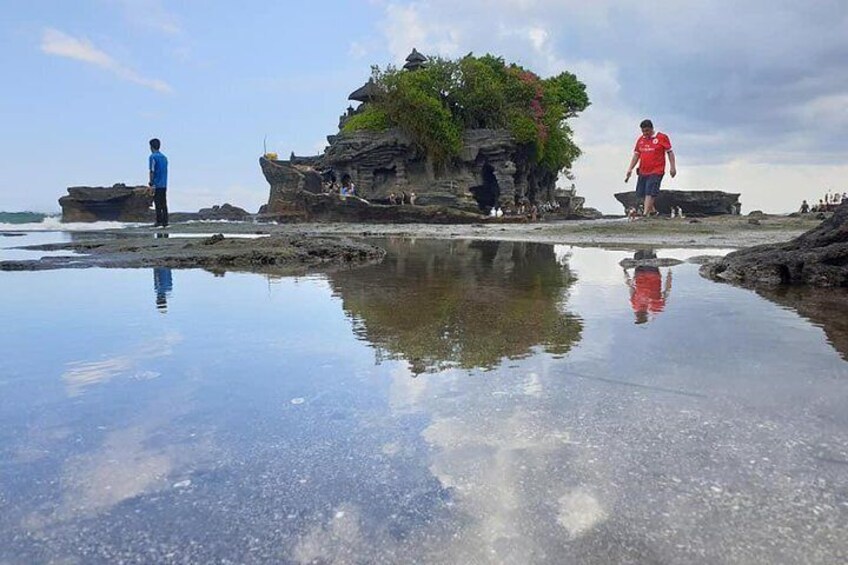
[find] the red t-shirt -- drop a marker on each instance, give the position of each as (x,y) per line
(648,296)
(652,152)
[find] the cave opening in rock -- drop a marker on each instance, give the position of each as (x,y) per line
(489,192)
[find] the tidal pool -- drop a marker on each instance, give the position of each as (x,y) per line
(462,402)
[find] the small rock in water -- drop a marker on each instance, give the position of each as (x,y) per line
(183,484)
(298,400)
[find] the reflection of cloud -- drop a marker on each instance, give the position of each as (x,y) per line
(506,459)
(128,463)
(84,374)
(121,469)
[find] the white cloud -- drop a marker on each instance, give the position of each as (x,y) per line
(751,104)
(151,14)
(57,43)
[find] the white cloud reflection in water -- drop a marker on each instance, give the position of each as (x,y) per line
(83,374)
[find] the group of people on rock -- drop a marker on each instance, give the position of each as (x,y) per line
(402,198)
(530,210)
(826,204)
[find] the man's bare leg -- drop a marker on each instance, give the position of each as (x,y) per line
(649,205)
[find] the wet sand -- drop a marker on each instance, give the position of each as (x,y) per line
(722,231)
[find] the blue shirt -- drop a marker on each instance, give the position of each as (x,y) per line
(159,167)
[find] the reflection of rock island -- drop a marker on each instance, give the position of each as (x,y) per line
(824,307)
(469,305)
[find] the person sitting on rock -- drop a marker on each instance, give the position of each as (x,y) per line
(805,208)
(392,199)
(412,197)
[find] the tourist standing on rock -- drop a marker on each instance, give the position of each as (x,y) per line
(158,167)
(650,151)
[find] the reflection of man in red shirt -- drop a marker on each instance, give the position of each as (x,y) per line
(647,295)
(650,151)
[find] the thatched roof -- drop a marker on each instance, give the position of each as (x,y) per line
(365,93)
(415,61)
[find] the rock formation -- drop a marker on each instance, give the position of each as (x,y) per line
(491,170)
(225,212)
(118,203)
(817,258)
(692,202)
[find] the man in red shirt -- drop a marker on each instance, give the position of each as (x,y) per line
(650,151)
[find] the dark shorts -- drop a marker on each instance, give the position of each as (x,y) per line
(648,185)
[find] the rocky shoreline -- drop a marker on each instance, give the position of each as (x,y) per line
(279,254)
(818,257)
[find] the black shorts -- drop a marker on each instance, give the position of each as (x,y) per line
(648,185)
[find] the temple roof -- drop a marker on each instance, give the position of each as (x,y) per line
(365,93)
(415,61)
(416,57)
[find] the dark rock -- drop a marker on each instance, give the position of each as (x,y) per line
(756,214)
(217,238)
(224,213)
(308,206)
(818,257)
(492,170)
(650,262)
(119,203)
(704,259)
(692,202)
(754,221)
(694,221)
(274,254)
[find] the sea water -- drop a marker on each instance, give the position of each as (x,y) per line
(461,402)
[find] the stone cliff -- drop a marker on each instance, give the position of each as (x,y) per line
(492,170)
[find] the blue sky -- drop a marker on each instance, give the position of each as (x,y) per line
(754,97)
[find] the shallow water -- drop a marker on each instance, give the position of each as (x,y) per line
(462,402)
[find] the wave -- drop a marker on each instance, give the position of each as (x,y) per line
(21,217)
(55,223)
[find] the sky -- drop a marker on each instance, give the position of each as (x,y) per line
(753,93)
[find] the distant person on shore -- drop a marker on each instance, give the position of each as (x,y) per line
(805,208)
(650,152)
(158,167)
(347,188)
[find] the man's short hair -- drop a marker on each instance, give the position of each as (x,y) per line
(155,144)
(646,124)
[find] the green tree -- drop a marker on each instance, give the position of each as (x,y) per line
(435,104)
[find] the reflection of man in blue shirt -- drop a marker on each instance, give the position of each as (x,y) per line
(158,167)
(163,285)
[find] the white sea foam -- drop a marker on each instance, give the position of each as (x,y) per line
(54,223)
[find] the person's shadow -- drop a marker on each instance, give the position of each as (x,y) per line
(163,284)
(648,294)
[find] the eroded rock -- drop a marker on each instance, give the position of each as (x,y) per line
(118,203)
(692,202)
(818,257)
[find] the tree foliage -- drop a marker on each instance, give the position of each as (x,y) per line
(435,104)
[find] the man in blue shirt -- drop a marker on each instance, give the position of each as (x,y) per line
(158,166)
